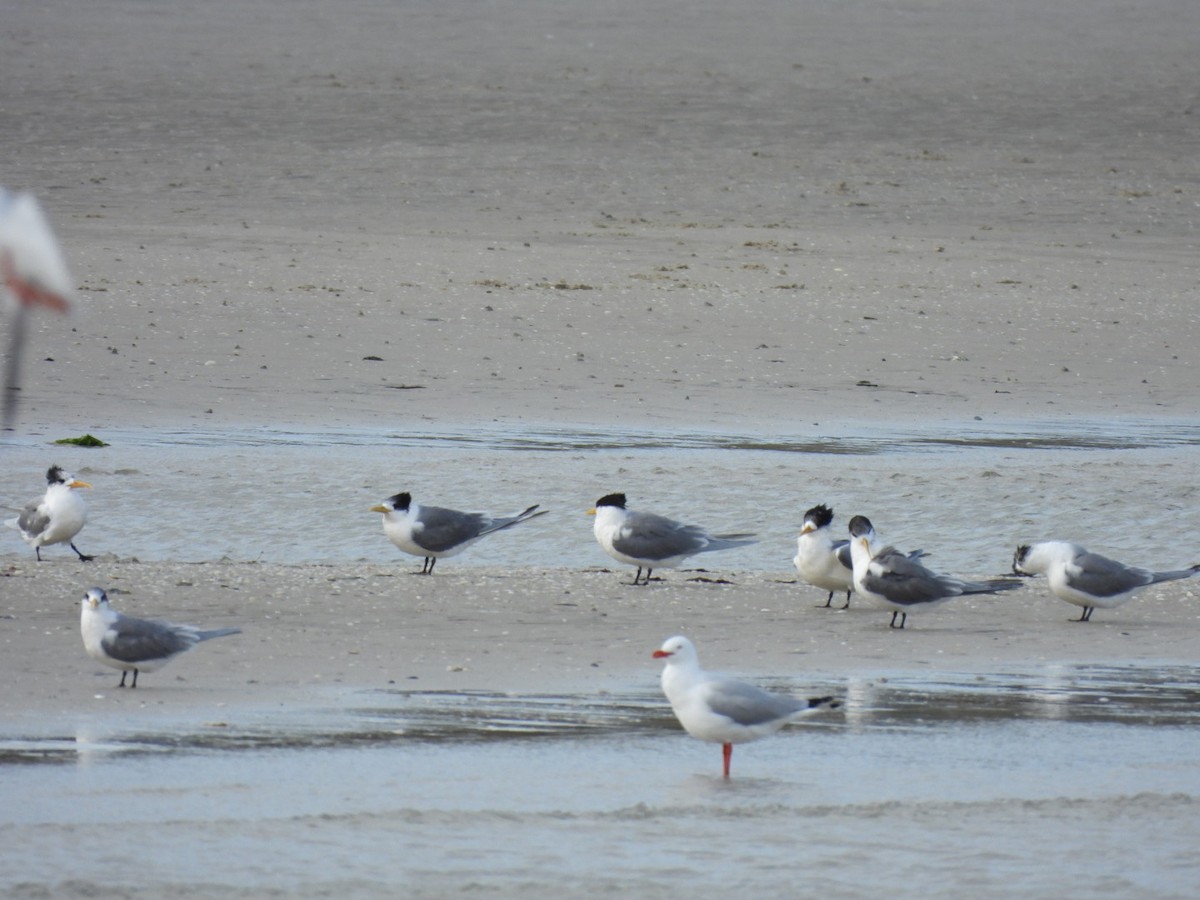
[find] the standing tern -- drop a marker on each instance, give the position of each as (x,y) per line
(134,645)
(722,710)
(823,562)
(649,541)
(433,532)
(897,582)
(1088,579)
(57,517)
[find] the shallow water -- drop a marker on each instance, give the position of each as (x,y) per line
(966,494)
(1072,780)
(1078,781)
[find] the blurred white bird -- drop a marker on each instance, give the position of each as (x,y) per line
(135,645)
(1088,579)
(57,517)
(32,273)
(722,710)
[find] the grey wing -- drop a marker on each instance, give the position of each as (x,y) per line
(33,518)
(1177,573)
(445,529)
(216,633)
(139,640)
(746,704)
(841,550)
(1104,577)
(501,522)
(647,536)
(905,581)
(991,586)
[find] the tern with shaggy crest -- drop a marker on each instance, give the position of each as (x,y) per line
(823,562)
(57,517)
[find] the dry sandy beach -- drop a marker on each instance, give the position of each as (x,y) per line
(768,219)
(677,213)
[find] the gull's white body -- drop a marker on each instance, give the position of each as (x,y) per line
(720,709)
(30,258)
(32,273)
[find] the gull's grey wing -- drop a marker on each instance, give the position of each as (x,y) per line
(648,536)
(746,704)
(139,640)
(445,529)
(33,519)
(1104,577)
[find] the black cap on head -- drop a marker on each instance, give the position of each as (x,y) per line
(860,525)
(55,475)
(401,501)
(1019,558)
(820,515)
(617,500)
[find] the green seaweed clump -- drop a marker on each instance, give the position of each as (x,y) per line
(86,440)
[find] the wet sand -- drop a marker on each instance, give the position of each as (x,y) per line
(310,632)
(501,731)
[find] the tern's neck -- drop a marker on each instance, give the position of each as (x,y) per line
(608,516)
(860,553)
